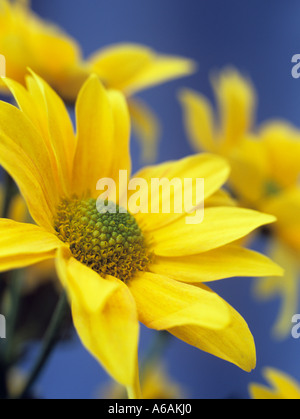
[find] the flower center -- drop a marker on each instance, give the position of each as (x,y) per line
(110,243)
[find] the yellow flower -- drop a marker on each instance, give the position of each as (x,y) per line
(121,268)
(265,170)
(28,41)
(155,384)
(282,387)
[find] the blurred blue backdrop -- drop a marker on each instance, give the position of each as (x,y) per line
(259,37)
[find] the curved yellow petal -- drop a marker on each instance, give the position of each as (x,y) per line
(111,335)
(224,262)
(221,226)
(34,182)
(236,100)
(147,128)
(233,343)
(282,387)
(195,315)
(102,129)
(23,244)
(163,303)
(199,120)
(282,383)
(133,67)
(56,124)
(105,316)
(180,180)
(84,286)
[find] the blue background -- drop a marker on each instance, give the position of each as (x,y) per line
(259,37)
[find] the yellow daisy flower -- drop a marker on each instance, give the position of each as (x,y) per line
(28,41)
(282,387)
(265,170)
(121,268)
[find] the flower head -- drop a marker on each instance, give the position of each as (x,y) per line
(128,266)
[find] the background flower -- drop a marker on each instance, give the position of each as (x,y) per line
(280,386)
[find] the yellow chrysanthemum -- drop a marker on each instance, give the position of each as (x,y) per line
(265,171)
(121,268)
(282,387)
(28,41)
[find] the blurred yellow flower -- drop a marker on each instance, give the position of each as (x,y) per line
(121,268)
(282,387)
(155,384)
(28,41)
(265,170)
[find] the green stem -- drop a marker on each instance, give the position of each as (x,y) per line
(50,340)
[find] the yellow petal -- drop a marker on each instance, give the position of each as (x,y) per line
(121,117)
(24,244)
(221,198)
(236,100)
(282,387)
(282,383)
(132,67)
(287,287)
(147,128)
(199,120)
(164,303)
(260,392)
(213,170)
(221,226)
(249,175)
(233,343)
(224,262)
(161,69)
(85,287)
(25,157)
(111,335)
(285,206)
(195,315)
(105,316)
(100,119)
(282,144)
(55,123)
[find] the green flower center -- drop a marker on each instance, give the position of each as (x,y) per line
(110,243)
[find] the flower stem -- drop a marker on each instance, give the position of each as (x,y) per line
(50,340)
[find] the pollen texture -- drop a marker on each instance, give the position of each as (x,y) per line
(110,243)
